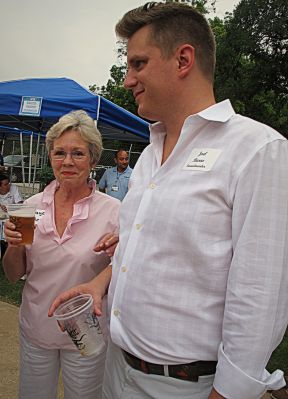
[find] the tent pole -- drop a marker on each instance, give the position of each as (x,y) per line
(13,150)
(22,162)
(30,159)
(130,150)
(36,160)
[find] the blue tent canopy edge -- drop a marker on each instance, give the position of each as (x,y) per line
(58,96)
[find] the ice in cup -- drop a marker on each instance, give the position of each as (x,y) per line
(76,316)
(23,216)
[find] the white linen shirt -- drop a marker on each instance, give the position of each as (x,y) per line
(200,272)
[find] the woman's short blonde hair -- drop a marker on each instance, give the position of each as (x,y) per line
(85,125)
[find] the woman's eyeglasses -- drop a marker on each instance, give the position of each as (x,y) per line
(60,155)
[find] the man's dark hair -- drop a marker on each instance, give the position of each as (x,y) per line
(120,150)
(173,24)
(3,176)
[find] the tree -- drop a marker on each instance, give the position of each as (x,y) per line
(252,67)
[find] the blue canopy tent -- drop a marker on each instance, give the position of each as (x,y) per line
(36,104)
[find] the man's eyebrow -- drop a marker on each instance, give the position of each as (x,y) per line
(136,58)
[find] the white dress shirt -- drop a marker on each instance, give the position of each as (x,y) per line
(200,272)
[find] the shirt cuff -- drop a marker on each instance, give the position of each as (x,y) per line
(232,383)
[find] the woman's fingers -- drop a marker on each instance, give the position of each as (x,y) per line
(75,291)
(12,236)
(63,297)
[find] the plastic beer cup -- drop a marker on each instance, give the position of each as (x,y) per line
(76,316)
(23,217)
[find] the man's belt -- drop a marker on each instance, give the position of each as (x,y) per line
(189,371)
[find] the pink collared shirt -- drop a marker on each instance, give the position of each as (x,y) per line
(55,263)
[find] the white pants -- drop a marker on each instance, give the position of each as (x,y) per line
(39,372)
(123,382)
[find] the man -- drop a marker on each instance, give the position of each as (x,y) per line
(200,271)
(115,180)
(9,193)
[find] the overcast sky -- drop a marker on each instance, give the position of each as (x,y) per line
(64,38)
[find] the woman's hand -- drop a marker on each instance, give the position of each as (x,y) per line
(13,237)
(96,287)
(108,244)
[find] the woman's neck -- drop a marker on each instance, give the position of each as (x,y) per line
(72,194)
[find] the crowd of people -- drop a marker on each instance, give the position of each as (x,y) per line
(193,259)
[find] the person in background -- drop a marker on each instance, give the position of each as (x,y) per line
(115,180)
(199,291)
(72,217)
(9,194)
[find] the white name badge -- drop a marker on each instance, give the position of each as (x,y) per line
(114,188)
(202,159)
(38,215)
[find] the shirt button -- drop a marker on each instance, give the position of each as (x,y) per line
(138,226)
(152,185)
(116,312)
(124,269)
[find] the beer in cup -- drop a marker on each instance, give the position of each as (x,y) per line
(23,217)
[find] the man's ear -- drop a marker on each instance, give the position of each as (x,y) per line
(186,59)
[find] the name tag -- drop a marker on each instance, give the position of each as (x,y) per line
(202,159)
(114,188)
(38,215)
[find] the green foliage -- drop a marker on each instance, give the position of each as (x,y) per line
(252,66)
(46,175)
(10,292)
(115,91)
(279,358)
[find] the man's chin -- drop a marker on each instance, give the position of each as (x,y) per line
(145,114)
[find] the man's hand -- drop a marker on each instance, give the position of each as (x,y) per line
(108,244)
(215,395)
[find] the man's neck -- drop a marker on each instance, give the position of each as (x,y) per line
(121,170)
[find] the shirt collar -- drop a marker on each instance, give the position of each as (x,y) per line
(121,173)
(49,191)
(219,112)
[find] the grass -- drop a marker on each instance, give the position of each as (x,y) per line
(279,358)
(12,293)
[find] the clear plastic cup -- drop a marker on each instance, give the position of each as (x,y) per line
(76,316)
(23,216)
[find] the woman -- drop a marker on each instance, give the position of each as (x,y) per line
(73,217)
